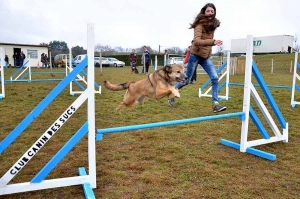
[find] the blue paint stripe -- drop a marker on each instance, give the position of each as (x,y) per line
(95,83)
(48,72)
(221,86)
(60,154)
(80,85)
(257,85)
(258,124)
(17,72)
(33,80)
(41,107)
(24,75)
(88,191)
(167,123)
(250,150)
(297,87)
(218,71)
(268,95)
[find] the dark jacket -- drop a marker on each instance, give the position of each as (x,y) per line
(147,56)
(22,56)
(133,57)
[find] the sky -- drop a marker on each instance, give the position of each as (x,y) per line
(135,23)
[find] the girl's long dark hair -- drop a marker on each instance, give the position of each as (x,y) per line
(209,24)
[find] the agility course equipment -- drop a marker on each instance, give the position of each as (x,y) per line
(88,181)
(79,78)
(24,74)
(2,93)
(295,85)
(203,92)
(225,71)
(248,111)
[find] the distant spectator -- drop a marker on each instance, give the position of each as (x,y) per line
(133,60)
(22,58)
(16,58)
(43,60)
(46,61)
(147,56)
(6,59)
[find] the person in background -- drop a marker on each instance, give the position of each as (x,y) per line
(22,58)
(185,61)
(6,59)
(16,58)
(204,27)
(43,60)
(147,59)
(46,60)
(133,60)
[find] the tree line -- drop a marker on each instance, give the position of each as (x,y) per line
(61,47)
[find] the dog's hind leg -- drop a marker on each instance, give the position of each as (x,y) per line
(141,100)
(128,101)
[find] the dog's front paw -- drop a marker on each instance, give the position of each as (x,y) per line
(176,94)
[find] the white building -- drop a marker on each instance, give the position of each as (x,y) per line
(30,50)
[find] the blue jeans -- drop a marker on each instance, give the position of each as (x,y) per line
(209,68)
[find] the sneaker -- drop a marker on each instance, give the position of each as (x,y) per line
(218,108)
(193,82)
(171,102)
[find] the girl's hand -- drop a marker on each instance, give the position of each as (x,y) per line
(218,42)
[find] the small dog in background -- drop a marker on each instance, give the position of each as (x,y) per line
(161,83)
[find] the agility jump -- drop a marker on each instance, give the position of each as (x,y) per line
(248,111)
(79,78)
(295,85)
(88,181)
(24,74)
(204,92)
(2,93)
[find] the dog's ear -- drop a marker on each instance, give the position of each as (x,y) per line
(168,68)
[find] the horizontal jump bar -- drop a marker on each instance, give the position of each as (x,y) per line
(166,123)
(257,85)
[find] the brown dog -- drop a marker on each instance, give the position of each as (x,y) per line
(159,84)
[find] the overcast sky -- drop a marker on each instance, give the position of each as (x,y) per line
(134,23)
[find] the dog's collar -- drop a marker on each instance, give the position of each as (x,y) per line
(150,80)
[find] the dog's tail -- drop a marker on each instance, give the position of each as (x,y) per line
(116,87)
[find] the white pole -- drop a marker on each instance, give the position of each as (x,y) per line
(247,90)
(50,60)
(155,64)
(2,72)
(100,58)
(165,59)
(70,66)
(227,75)
(29,68)
(294,78)
(91,105)
(272,67)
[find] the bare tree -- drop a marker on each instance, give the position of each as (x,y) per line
(175,50)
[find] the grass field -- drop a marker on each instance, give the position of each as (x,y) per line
(182,161)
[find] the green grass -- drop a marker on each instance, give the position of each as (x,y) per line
(182,161)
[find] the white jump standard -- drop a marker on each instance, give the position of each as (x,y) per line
(2,82)
(88,181)
(295,85)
